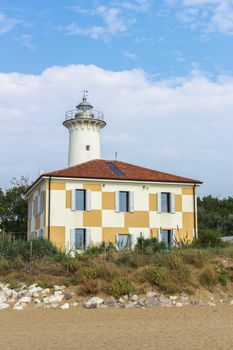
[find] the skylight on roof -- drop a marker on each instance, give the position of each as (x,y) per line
(116,170)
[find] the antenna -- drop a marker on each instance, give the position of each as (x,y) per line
(85,93)
(115,155)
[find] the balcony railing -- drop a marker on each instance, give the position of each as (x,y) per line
(76,113)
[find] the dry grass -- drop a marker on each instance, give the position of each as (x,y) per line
(121,272)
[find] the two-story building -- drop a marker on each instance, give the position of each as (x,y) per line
(95,200)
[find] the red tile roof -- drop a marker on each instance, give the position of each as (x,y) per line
(99,169)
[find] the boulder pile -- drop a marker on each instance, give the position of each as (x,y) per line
(59,298)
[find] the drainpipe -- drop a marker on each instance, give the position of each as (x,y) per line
(194,211)
(49,208)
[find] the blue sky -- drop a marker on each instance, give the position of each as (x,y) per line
(161,71)
(165,38)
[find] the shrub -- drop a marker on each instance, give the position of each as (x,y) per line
(159,275)
(120,286)
(174,261)
(89,286)
(222,278)
(208,276)
(149,245)
(208,238)
(195,257)
(86,273)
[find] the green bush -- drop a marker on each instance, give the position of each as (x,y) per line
(208,277)
(222,278)
(28,250)
(149,245)
(120,286)
(159,275)
(208,238)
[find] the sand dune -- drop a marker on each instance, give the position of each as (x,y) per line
(157,328)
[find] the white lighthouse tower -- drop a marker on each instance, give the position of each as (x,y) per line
(84,124)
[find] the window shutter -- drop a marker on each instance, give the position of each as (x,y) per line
(117,201)
(133,240)
(72,238)
(159,235)
(73,200)
(173,238)
(88,238)
(173,202)
(116,241)
(131,201)
(159,206)
(88,200)
(42,202)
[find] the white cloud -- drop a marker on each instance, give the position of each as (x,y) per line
(183,125)
(26,40)
(116,19)
(7,24)
(209,15)
(129,55)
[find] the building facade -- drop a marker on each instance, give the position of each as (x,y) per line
(95,200)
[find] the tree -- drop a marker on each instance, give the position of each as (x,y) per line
(13,208)
(216,214)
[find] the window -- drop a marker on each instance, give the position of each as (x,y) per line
(123,241)
(80,238)
(124,201)
(80,199)
(88,147)
(165,202)
(35,206)
(166,237)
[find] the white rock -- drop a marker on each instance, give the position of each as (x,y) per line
(231,302)
(93,302)
(45,291)
(18,307)
(126,297)
(25,300)
(53,299)
(134,297)
(3,298)
(56,288)
(58,292)
(151,294)
(65,306)
(96,300)
(121,300)
(179,304)
(37,301)
(4,306)
(173,297)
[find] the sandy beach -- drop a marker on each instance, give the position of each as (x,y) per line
(157,328)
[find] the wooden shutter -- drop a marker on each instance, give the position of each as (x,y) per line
(116,241)
(72,238)
(131,201)
(173,237)
(172,202)
(73,200)
(117,201)
(159,204)
(88,200)
(88,238)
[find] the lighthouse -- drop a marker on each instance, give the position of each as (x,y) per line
(84,124)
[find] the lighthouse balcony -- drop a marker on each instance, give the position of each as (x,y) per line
(77,114)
